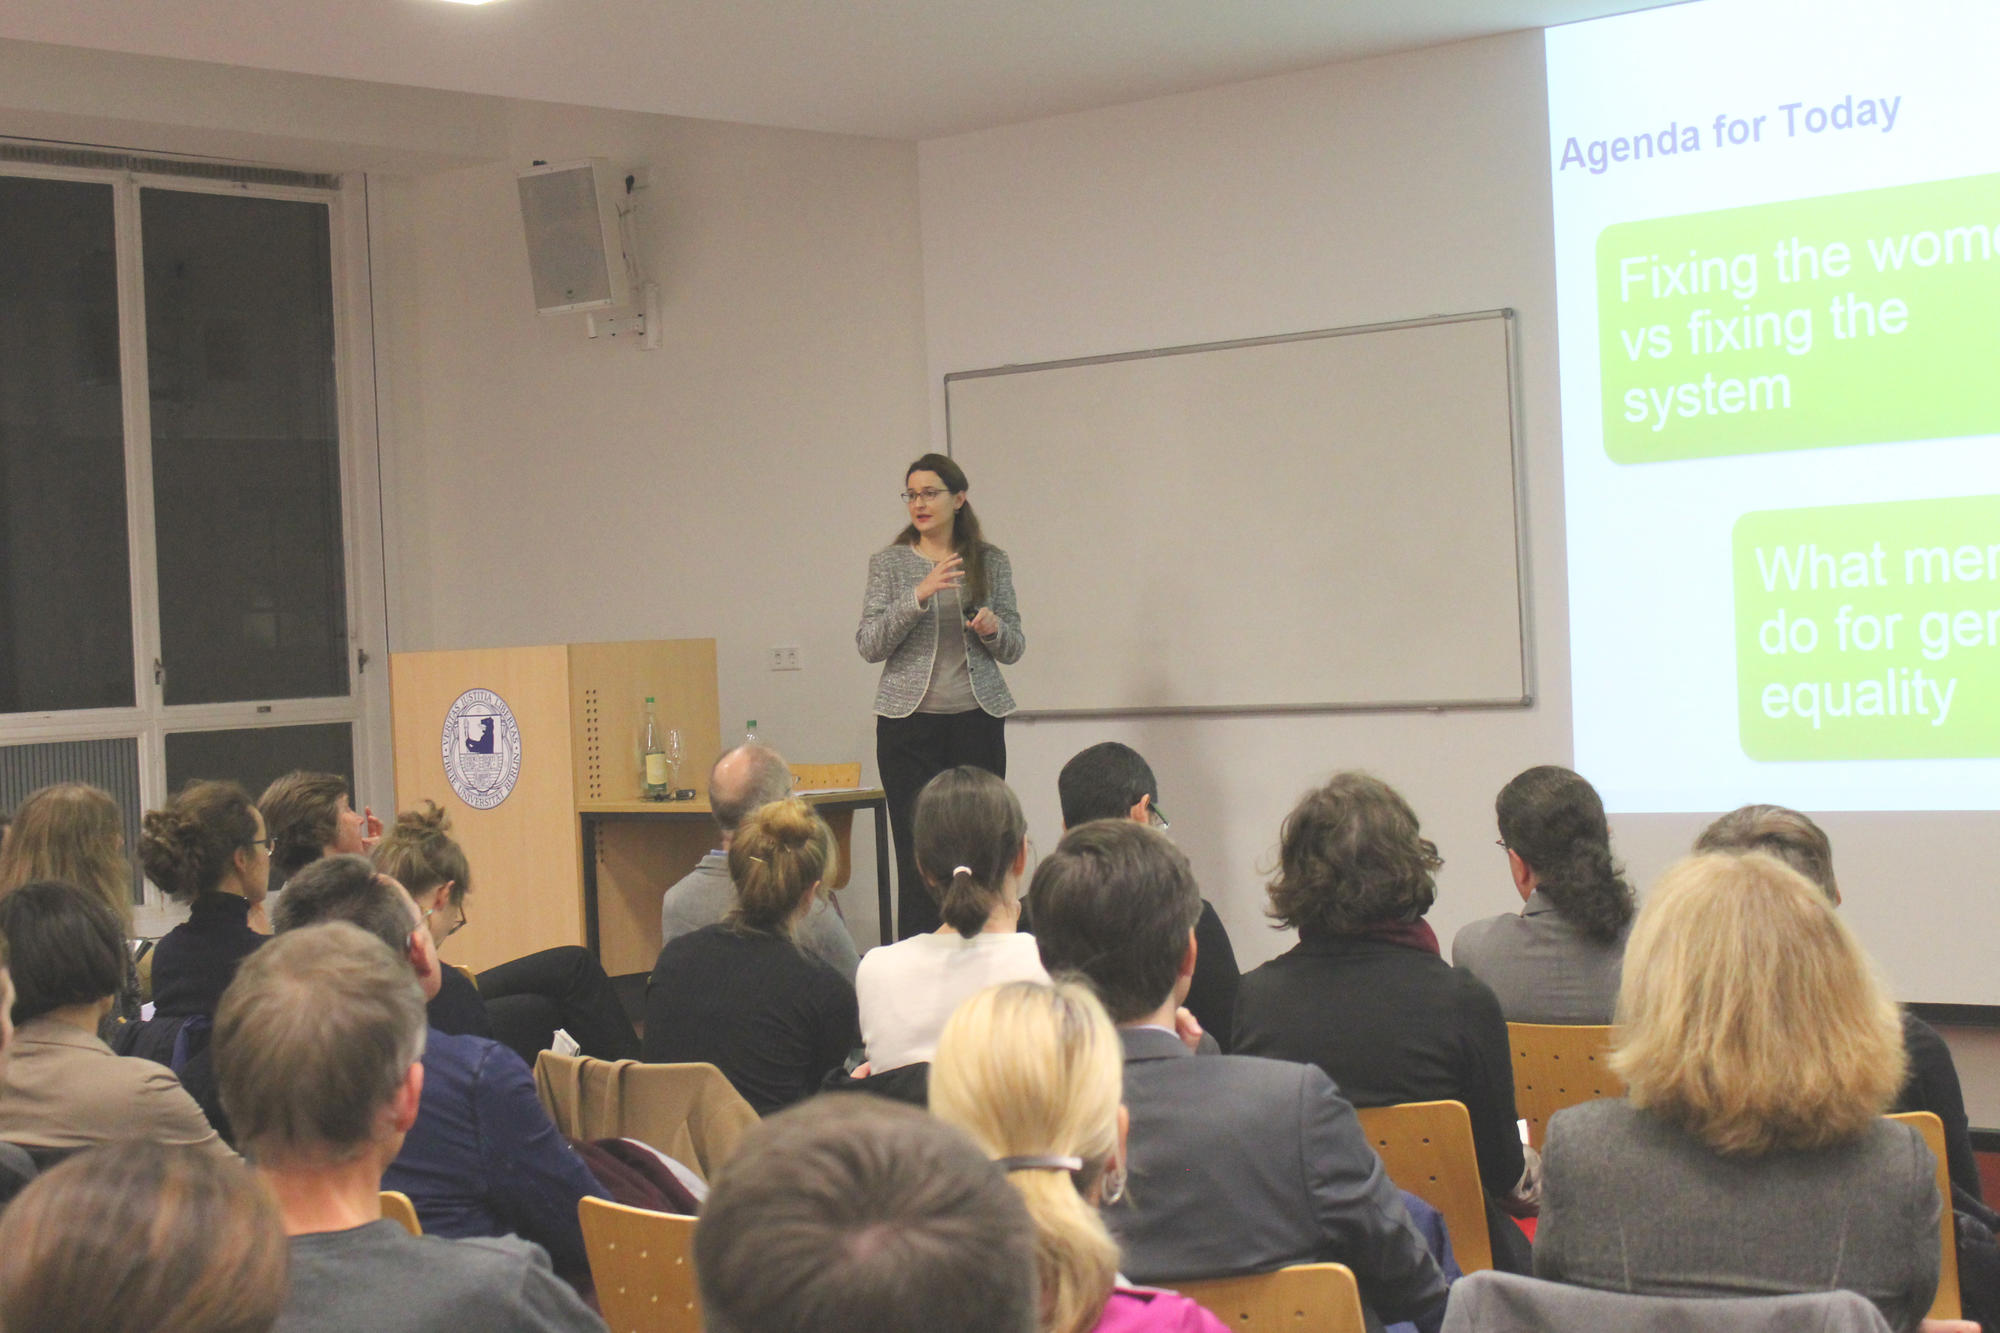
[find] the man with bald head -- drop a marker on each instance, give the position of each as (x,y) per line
(743,779)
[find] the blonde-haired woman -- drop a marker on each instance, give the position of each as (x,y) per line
(1033,1072)
(74,832)
(1750,1155)
(742,994)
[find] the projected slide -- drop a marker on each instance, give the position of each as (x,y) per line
(1777,230)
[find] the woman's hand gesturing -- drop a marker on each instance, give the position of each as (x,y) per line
(946,573)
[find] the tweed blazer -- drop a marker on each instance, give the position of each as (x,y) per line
(895,630)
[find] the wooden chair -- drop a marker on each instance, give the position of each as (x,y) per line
(1426,1147)
(643,1266)
(1945,1305)
(833,777)
(1305,1298)
(689,1112)
(1556,1067)
(396,1207)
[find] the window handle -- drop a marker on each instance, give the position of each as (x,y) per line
(159,672)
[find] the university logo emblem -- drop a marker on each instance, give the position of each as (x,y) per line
(482,749)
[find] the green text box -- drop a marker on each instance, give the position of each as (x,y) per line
(1869,631)
(1763,369)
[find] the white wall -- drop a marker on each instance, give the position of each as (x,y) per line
(1405,186)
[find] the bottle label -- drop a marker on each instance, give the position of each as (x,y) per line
(656,770)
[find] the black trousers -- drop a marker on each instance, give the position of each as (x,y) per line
(910,751)
(529,998)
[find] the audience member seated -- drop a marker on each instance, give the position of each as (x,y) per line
(857,1213)
(312,815)
(971,847)
(65,1089)
(742,780)
(520,1003)
(208,849)
(1237,1165)
(1033,1073)
(75,833)
(1932,1084)
(1364,995)
(1556,960)
(1749,1156)
(318,1044)
(16,1167)
(743,995)
(142,1238)
(482,1159)
(1112,781)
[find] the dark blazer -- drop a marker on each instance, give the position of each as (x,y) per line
(1211,996)
(1242,1166)
(1390,1023)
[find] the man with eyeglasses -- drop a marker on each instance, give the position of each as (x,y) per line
(1113,781)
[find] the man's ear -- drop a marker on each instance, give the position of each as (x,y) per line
(1187,959)
(408,1096)
(1141,808)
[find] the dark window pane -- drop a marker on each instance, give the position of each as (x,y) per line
(110,764)
(254,756)
(65,578)
(246,455)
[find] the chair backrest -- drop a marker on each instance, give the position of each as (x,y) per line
(690,1112)
(396,1207)
(1305,1298)
(1946,1304)
(643,1266)
(823,777)
(1495,1302)
(1555,1067)
(1426,1147)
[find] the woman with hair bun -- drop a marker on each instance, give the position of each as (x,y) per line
(207,849)
(1034,1073)
(742,994)
(519,1003)
(971,849)
(1557,960)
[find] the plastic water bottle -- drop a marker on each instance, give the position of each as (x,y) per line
(750,733)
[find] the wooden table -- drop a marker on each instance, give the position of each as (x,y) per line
(594,815)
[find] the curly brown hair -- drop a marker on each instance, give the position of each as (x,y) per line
(1349,857)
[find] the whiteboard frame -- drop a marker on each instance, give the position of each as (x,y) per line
(1526,699)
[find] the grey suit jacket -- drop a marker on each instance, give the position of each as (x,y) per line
(1540,966)
(1632,1202)
(896,630)
(1496,1302)
(1242,1165)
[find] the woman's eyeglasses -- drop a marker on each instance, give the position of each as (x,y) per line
(456,925)
(929,495)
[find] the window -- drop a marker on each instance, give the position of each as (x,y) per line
(187,482)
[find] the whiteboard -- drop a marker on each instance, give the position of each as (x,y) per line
(1321,520)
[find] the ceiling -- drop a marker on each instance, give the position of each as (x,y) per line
(900,69)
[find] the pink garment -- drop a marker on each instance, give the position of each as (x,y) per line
(1145,1310)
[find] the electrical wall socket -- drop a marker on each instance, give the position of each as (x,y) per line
(785,658)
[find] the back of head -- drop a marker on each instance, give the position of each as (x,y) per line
(852,1212)
(312,1039)
(1115,902)
(776,858)
(969,831)
(1104,782)
(187,847)
(143,1238)
(1349,857)
(745,779)
(1776,831)
(419,853)
(66,947)
(347,888)
(1748,1012)
(71,831)
(1034,1070)
(1554,821)
(302,812)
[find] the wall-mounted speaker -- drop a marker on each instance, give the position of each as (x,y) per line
(575,255)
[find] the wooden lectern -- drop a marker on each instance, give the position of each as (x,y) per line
(580,711)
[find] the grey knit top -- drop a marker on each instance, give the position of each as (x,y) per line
(894,629)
